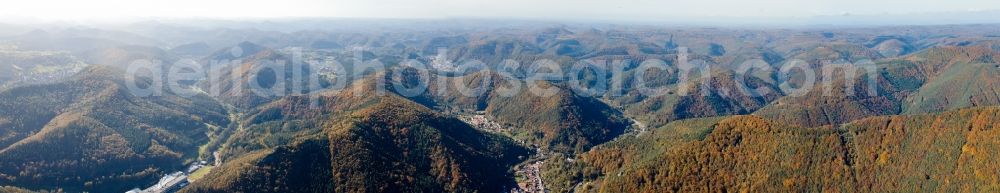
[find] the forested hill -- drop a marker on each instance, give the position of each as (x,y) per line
(89,133)
(954,151)
(394,145)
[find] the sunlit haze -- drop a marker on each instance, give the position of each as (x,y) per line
(626,10)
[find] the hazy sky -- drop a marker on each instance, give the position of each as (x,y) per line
(639,10)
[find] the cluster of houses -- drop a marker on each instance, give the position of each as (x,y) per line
(533,183)
(480,121)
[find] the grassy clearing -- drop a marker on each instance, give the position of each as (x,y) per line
(200,173)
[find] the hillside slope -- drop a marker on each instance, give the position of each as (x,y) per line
(964,77)
(934,80)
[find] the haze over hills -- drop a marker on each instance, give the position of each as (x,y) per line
(420,106)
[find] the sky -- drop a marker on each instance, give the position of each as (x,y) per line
(629,10)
